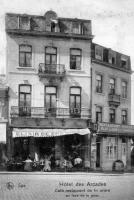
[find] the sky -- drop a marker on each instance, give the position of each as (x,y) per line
(112,22)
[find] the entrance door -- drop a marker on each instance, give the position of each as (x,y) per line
(51,101)
(25,100)
(98,155)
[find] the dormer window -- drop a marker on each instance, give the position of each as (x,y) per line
(98,52)
(24,23)
(76,28)
(112,57)
(123,63)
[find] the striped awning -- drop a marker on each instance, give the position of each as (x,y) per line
(47,132)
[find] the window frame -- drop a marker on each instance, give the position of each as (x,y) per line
(114,114)
(80,56)
(111,148)
(75,95)
(124,118)
(112,90)
(97,113)
(99,89)
(25,93)
(126,90)
(25,53)
(50,54)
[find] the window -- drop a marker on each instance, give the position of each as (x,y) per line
(25,55)
(112,85)
(112,115)
(98,114)
(76,28)
(112,57)
(124,116)
(111,148)
(24,100)
(75,59)
(50,59)
(75,101)
(124,89)
(98,52)
(105,55)
(50,100)
(24,23)
(98,83)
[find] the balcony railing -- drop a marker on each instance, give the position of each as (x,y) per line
(114,99)
(40,112)
(51,69)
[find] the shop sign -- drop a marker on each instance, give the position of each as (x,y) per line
(118,128)
(47,132)
(2,132)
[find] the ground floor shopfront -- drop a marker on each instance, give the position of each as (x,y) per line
(114,144)
(60,146)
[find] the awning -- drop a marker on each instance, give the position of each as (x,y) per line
(47,132)
(2,132)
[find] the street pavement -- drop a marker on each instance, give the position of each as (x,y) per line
(66,186)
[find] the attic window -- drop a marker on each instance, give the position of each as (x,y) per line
(105,55)
(112,57)
(24,23)
(123,63)
(76,28)
(98,52)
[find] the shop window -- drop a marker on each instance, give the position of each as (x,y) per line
(98,52)
(112,86)
(105,55)
(112,115)
(75,101)
(75,59)
(50,100)
(111,148)
(25,56)
(98,83)
(124,116)
(24,23)
(98,114)
(124,89)
(24,100)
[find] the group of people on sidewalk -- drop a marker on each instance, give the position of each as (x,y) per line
(47,163)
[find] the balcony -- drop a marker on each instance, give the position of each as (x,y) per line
(114,100)
(40,112)
(51,71)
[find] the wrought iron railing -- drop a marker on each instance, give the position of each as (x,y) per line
(114,98)
(40,112)
(52,69)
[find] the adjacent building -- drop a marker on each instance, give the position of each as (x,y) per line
(48,71)
(111,106)
(3,118)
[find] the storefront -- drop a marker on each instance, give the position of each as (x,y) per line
(59,144)
(3,157)
(113,143)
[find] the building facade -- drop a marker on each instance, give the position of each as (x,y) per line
(111,107)
(3,119)
(48,71)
